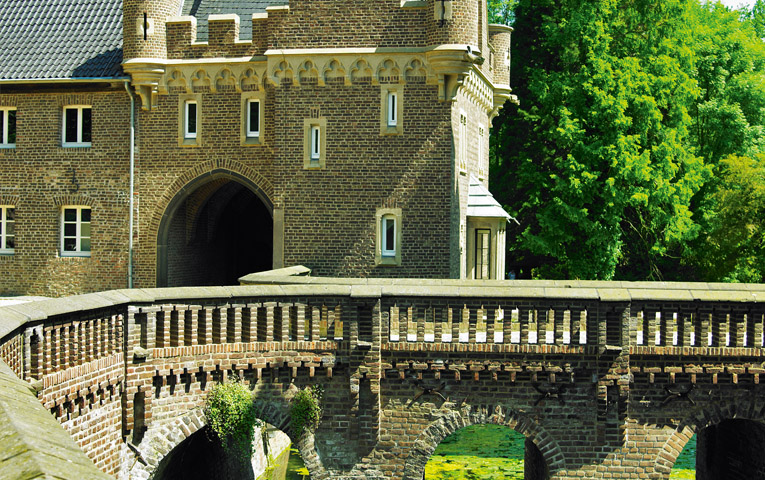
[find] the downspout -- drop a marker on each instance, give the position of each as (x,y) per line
(132,183)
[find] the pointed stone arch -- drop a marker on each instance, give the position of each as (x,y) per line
(450,421)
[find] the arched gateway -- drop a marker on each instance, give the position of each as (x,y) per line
(217,227)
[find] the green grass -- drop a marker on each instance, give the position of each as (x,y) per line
(489,452)
(479,452)
(685,465)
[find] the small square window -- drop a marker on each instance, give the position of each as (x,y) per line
(190,119)
(75,231)
(77,126)
(7,127)
(7,229)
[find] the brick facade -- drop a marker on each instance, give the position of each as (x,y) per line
(327,60)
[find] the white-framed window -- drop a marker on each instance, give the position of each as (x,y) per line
(76,126)
(315,143)
(389,235)
(7,229)
(252,130)
(392,109)
(7,127)
(388,228)
(253,118)
(75,231)
(190,119)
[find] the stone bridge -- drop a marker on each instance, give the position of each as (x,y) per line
(605,380)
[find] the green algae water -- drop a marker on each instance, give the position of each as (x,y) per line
(685,465)
(288,466)
(478,452)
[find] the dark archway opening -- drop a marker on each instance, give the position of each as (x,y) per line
(199,457)
(731,450)
(213,235)
(486,451)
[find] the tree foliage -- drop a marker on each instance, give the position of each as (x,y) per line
(630,112)
(594,159)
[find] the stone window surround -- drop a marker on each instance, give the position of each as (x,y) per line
(385,127)
(183,99)
(246,138)
(5,130)
(482,161)
(80,131)
(78,252)
(463,150)
(310,163)
(387,213)
(4,229)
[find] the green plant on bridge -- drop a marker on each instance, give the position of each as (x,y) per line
(305,412)
(231,415)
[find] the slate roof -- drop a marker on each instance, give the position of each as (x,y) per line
(201,9)
(481,202)
(51,39)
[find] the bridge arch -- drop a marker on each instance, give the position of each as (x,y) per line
(453,420)
(712,413)
(159,440)
(191,193)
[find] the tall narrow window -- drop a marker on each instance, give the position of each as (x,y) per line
(190,120)
(75,232)
(253,118)
(482,253)
(77,126)
(315,143)
(388,236)
(482,162)
(392,117)
(463,143)
(7,127)
(7,229)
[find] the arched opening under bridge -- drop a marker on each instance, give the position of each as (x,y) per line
(731,450)
(486,451)
(201,457)
(216,229)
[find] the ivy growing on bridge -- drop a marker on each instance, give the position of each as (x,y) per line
(306,411)
(232,416)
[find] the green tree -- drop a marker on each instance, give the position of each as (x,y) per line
(729,125)
(595,160)
(734,240)
(501,11)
